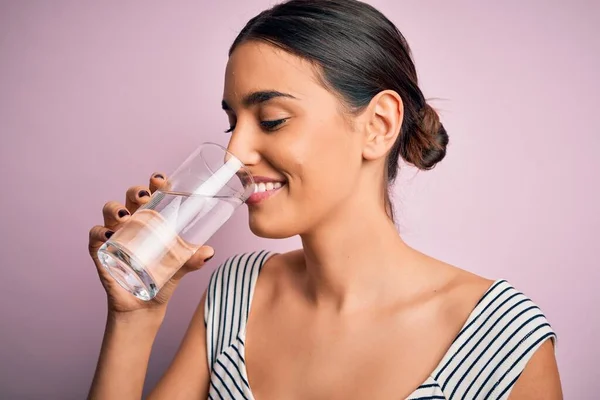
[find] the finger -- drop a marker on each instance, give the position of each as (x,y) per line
(136,197)
(197,261)
(115,214)
(98,235)
(200,257)
(158,181)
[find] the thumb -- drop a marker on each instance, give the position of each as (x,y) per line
(200,257)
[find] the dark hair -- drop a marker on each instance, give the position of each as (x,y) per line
(360,53)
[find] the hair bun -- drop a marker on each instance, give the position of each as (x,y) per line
(426,147)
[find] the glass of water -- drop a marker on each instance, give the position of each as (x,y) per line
(197,199)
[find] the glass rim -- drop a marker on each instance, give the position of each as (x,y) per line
(224,149)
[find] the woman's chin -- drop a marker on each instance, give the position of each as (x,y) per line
(270,228)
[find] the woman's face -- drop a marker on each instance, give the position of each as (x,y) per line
(292,132)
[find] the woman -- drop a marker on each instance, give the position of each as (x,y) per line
(322,97)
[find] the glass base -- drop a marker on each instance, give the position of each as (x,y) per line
(127,271)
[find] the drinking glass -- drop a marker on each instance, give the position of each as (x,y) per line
(158,239)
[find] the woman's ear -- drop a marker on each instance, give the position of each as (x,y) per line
(383,120)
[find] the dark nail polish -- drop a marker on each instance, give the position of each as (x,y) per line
(143,193)
(108,234)
(159,176)
(209,258)
(123,213)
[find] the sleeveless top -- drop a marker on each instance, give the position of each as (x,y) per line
(484,361)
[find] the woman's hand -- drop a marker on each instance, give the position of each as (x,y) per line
(120,301)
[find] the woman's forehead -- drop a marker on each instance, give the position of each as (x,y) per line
(256,65)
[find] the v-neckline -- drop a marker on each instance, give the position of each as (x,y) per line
(241,336)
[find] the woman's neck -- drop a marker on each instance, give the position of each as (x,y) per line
(355,259)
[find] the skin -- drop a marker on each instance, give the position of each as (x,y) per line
(356,313)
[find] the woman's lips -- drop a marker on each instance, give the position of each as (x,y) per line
(263,191)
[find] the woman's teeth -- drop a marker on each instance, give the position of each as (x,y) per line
(264,187)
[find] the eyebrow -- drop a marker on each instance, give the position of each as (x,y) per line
(259,97)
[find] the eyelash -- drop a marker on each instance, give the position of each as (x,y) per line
(267,125)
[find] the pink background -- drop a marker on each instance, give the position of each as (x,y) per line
(94,97)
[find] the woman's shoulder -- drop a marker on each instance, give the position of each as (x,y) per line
(235,276)
(498,338)
(504,309)
(496,312)
(228,298)
(245,263)
(490,301)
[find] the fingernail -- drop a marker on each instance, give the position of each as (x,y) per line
(143,193)
(159,176)
(123,213)
(209,258)
(108,234)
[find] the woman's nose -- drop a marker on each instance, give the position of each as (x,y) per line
(244,150)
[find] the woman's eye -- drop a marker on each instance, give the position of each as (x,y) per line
(272,125)
(267,125)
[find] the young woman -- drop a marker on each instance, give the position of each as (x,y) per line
(322,100)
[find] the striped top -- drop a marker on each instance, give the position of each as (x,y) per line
(484,361)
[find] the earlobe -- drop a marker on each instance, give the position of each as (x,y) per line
(384,113)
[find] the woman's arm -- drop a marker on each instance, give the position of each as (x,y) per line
(540,379)
(125,353)
(188,375)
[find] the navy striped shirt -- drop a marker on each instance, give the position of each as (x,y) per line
(484,361)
